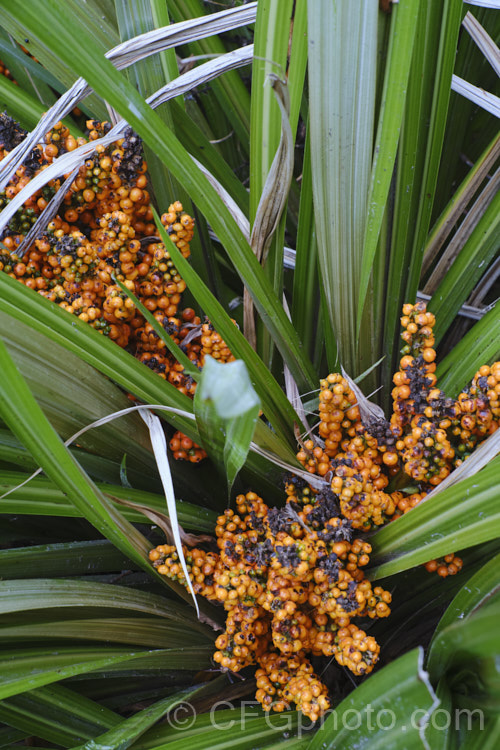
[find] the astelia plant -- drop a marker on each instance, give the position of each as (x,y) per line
(340,159)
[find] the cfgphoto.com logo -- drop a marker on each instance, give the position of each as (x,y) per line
(225,716)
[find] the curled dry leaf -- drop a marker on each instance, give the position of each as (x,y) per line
(163,522)
(277,186)
(273,198)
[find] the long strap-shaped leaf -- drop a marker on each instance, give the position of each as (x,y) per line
(129,730)
(480,344)
(25,669)
(480,590)
(22,414)
(401,698)
(76,336)
(342,63)
(450,27)
(419,154)
(403,28)
(458,203)
(461,516)
(57,714)
(273,198)
(477,253)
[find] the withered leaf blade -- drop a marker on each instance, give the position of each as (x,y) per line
(273,198)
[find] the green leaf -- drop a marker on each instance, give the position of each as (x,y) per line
(305,277)
(486,738)
(228,386)
(123,472)
(466,652)
(38,594)
(78,337)
(23,415)
(102,32)
(25,669)
(63,558)
(418,161)
(231,94)
(18,61)
(419,600)
(149,75)
(280,49)
(226,408)
(196,142)
(98,467)
(272,35)
(297,743)
(399,55)
(440,81)
(55,385)
(157,661)
(388,710)
(461,516)
(240,728)
(480,345)
(459,202)
(239,435)
(148,632)
(470,264)
(24,108)
(57,714)
(481,590)
(341,107)
(128,731)
(21,412)
(440,729)
(41,497)
(10,736)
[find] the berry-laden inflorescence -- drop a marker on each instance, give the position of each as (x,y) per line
(292,579)
(104,231)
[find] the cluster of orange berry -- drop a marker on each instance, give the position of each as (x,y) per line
(434,433)
(291,580)
(428,434)
(105,231)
